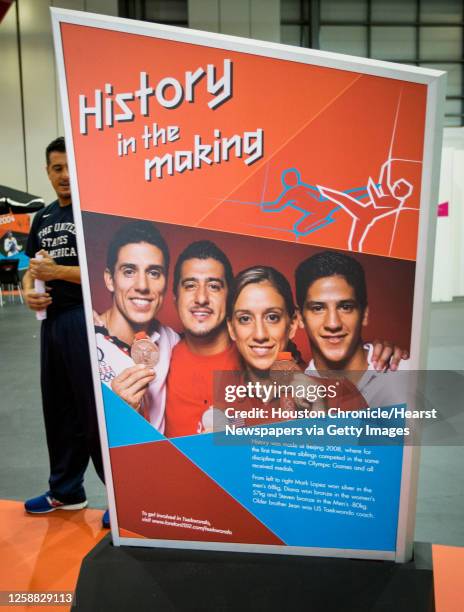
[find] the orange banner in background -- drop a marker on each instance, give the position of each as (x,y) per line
(14,244)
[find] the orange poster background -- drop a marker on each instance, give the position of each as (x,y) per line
(337,128)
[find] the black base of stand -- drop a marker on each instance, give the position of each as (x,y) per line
(165,580)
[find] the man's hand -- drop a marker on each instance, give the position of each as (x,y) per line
(45,269)
(132,384)
(37,301)
(387,356)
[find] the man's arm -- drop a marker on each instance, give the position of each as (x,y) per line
(47,269)
(35,301)
(71,274)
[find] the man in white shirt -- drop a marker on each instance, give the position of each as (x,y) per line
(332,297)
(136,275)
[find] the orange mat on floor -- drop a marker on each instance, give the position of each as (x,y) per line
(44,553)
(448,573)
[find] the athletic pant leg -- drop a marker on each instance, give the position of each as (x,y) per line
(74,336)
(66,442)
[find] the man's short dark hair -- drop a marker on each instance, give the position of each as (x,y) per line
(135,232)
(56,145)
(330,263)
(203,249)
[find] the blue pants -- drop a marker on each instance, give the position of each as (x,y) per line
(68,404)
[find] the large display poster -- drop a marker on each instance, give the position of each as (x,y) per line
(195,157)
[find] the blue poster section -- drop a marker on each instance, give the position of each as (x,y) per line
(123,424)
(309,492)
(323,492)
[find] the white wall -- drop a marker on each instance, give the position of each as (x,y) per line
(30,114)
(448,273)
(12,166)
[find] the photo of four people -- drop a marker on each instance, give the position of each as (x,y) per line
(244,322)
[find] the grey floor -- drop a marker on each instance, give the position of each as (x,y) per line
(24,465)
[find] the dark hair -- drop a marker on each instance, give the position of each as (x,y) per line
(330,263)
(56,145)
(203,249)
(260,274)
(135,232)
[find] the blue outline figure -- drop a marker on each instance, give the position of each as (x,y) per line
(302,197)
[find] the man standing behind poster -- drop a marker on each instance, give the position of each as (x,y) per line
(136,275)
(66,380)
(202,278)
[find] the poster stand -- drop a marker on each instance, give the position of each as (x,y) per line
(336,160)
(205,580)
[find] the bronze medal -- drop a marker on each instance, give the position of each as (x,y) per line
(145,351)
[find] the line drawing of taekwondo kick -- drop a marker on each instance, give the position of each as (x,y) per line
(318,203)
(317,209)
(386,198)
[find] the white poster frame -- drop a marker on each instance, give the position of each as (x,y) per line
(436,83)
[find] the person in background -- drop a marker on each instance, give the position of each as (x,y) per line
(66,381)
(11,245)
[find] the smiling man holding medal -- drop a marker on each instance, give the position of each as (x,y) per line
(134,349)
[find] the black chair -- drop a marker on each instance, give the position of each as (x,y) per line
(9,277)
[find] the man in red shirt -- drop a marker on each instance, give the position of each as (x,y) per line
(202,277)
